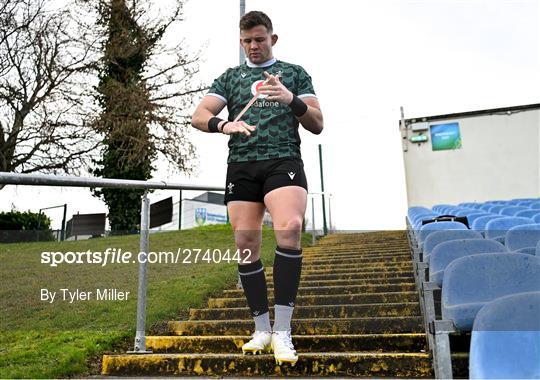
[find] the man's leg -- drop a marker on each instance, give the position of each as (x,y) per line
(287,206)
(246,220)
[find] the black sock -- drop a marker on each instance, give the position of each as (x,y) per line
(287,269)
(254,284)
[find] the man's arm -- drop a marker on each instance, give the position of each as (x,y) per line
(211,106)
(312,120)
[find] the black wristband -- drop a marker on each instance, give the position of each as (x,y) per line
(213,124)
(298,106)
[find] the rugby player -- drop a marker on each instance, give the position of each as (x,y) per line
(265,171)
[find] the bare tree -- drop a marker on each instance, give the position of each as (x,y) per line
(44,97)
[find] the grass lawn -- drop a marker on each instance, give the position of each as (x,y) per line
(59,339)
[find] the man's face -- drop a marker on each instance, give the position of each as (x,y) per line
(257,43)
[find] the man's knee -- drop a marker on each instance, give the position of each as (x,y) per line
(292,224)
(247,239)
(288,233)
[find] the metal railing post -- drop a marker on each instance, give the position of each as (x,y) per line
(325,227)
(63,233)
(313,221)
(180,211)
(140,336)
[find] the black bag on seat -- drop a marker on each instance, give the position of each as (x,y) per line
(447,218)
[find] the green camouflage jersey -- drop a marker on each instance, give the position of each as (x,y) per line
(276,134)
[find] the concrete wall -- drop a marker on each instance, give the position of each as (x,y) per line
(499,159)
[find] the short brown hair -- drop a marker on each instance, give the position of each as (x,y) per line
(255,18)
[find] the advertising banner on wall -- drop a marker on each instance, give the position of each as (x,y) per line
(445,136)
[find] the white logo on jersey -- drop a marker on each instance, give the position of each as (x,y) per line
(243,75)
(291,174)
(230,187)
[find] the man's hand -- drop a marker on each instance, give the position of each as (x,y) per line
(275,90)
(238,127)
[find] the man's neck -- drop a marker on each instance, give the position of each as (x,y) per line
(271,61)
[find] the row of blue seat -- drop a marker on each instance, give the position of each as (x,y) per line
(417,214)
(475,269)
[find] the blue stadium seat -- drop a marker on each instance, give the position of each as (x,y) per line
(472,217)
(441,236)
(528,213)
(538,249)
(466,211)
(472,281)
(535,205)
(444,253)
(486,207)
(450,210)
(415,212)
(523,238)
(536,218)
(429,228)
(497,228)
(416,209)
(439,208)
(467,204)
(480,223)
(496,209)
(505,341)
(512,210)
(417,221)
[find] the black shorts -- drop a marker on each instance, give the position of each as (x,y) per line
(252,180)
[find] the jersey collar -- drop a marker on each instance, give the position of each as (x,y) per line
(270,62)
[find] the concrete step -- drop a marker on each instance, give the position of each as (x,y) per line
(361,246)
(356,254)
(315,311)
(357,260)
(361,298)
(367,288)
(362,325)
(353,275)
(353,254)
(412,342)
(359,364)
(390,268)
(377,264)
(356,248)
(352,281)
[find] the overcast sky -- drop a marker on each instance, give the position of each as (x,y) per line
(367,58)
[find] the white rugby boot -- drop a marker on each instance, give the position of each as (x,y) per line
(260,342)
(284,351)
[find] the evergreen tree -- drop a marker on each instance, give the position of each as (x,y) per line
(126,106)
(145,92)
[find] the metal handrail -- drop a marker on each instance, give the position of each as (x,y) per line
(73,181)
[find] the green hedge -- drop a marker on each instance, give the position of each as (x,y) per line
(16,226)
